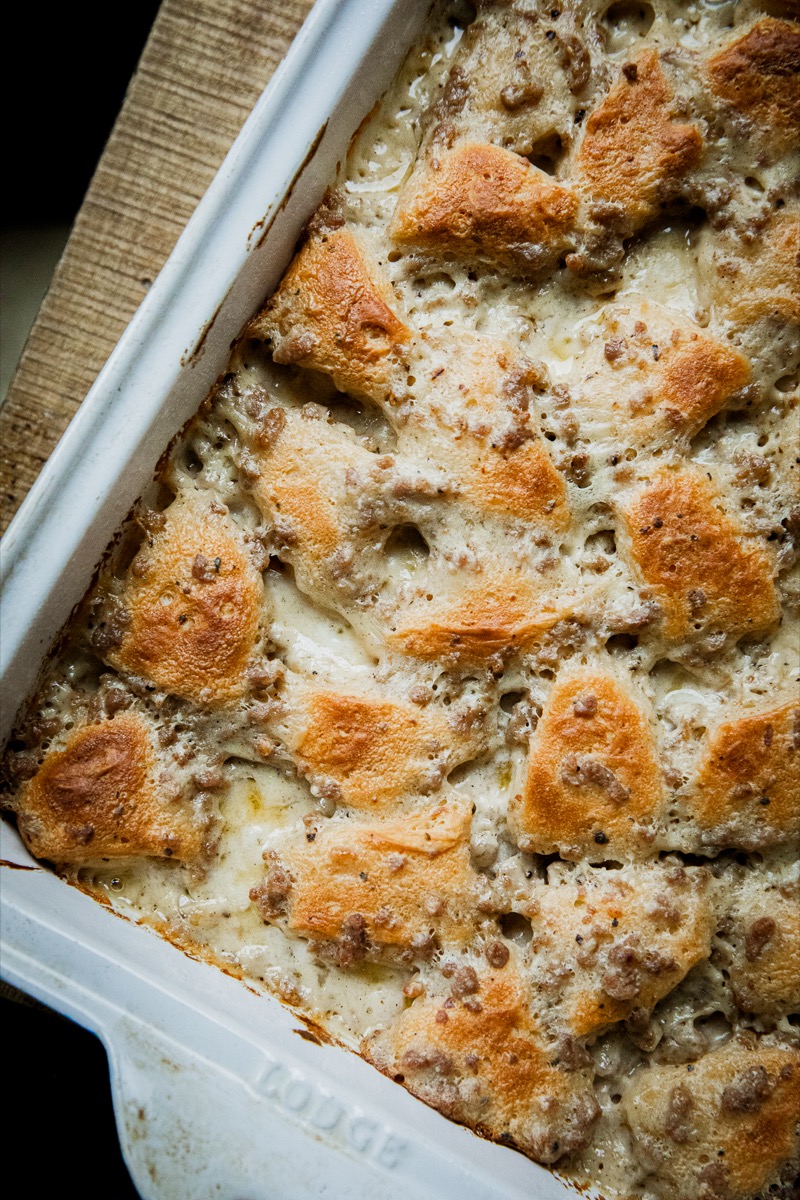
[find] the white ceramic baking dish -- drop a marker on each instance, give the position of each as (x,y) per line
(216,1092)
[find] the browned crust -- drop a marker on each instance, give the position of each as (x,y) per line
(696,558)
(99,797)
(761,278)
(302,484)
(635,151)
(759,75)
(407,878)
(192,631)
(658,372)
(765,972)
(375,751)
(553,814)
(482,200)
(754,1143)
(333,312)
(473,414)
(521,482)
(655,938)
(697,380)
(492,1042)
(750,761)
(499,616)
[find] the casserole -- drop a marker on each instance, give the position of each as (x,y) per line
(215,1092)
(489,203)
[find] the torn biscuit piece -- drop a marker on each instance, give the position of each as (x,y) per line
(758,75)
(479,1058)
(746,790)
(306,468)
(636,150)
(593,786)
(472,416)
(101,795)
(647,374)
(725,1125)
(705,572)
(190,608)
(482,201)
(334,313)
(609,944)
(494,614)
(360,890)
(370,752)
(758,946)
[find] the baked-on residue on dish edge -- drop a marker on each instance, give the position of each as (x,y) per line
(446,681)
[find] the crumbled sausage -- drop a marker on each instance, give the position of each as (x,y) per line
(577,469)
(614,348)
(115,700)
(758,937)
(748,1091)
(205,569)
(679,1108)
(518,95)
(752,469)
(497,954)
(581,770)
(575,60)
(571,1054)
(419,1060)
(352,945)
(656,963)
(465,982)
(295,348)
(270,896)
(622,980)
(585,705)
(110,633)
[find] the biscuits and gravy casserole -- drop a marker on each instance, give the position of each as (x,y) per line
(445,683)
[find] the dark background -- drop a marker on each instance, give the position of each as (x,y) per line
(64,85)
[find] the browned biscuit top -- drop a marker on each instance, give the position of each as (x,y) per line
(593,785)
(193,603)
(636,150)
(703,570)
(101,796)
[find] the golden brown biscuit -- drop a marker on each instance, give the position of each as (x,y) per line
(652,374)
(723,1126)
(593,787)
(370,752)
(703,570)
(760,947)
(746,791)
(482,201)
(332,312)
(302,485)
(758,74)
(613,943)
(636,151)
(498,614)
(100,796)
(472,417)
(756,278)
(362,889)
(476,1055)
(191,605)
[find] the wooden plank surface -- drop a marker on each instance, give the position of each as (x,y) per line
(203,67)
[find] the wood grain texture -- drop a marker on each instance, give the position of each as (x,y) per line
(204,66)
